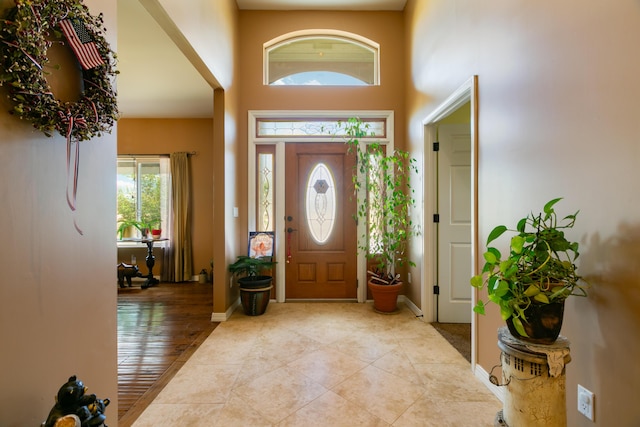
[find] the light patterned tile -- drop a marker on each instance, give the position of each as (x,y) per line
(427,412)
(237,413)
(280,393)
(366,347)
(224,349)
(414,329)
(332,410)
(453,382)
(255,367)
(431,350)
(327,330)
(200,384)
(278,368)
(184,415)
(328,367)
(397,363)
(284,345)
(386,396)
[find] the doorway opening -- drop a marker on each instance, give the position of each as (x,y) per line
(451,136)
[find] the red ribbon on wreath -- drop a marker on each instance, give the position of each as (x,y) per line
(72,121)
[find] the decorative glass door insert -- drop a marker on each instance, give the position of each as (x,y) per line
(320,203)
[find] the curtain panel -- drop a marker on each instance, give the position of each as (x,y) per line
(180,255)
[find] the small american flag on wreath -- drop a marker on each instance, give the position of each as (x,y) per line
(81,43)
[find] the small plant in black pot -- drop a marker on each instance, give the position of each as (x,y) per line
(255,286)
(532,282)
(251,271)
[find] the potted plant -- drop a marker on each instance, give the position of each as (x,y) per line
(384,201)
(155,227)
(255,285)
(126,226)
(532,282)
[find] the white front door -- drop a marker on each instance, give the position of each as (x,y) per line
(454,228)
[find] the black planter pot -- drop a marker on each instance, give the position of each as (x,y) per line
(255,282)
(255,300)
(543,323)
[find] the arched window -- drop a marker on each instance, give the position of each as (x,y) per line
(321,57)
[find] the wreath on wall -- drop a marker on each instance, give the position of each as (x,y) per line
(26,32)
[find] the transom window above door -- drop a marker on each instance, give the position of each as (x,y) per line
(321,58)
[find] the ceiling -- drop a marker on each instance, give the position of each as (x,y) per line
(156,79)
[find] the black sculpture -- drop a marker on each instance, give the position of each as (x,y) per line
(72,400)
(127,271)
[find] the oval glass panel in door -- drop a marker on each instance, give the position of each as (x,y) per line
(320,203)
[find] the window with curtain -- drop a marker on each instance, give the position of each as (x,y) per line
(143,191)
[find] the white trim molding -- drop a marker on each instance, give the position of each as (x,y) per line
(223,317)
(279,142)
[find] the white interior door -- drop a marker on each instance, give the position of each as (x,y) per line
(454,228)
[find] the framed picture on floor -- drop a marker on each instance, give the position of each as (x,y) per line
(261,243)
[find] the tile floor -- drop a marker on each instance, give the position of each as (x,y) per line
(324,364)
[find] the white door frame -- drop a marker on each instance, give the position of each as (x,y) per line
(279,211)
(467,92)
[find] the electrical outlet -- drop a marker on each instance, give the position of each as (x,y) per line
(585,402)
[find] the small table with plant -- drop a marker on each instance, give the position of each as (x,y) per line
(150,260)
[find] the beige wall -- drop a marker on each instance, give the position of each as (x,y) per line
(57,291)
(558,98)
(165,136)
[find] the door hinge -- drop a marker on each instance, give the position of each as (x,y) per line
(436,146)
(436,290)
(436,218)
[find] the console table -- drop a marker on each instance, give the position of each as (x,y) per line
(151,260)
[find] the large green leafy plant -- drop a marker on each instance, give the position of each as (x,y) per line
(539,268)
(246,266)
(382,183)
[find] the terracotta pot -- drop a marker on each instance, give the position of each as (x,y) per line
(385,297)
(543,323)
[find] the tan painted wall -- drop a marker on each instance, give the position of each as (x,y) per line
(207,32)
(165,136)
(558,98)
(259,27)
(57,289)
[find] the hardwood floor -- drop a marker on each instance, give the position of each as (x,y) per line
(158,330)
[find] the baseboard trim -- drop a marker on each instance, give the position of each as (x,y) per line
(483,376)
(223,317)
(414,308)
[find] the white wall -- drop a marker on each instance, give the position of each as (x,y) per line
(57,288)
(558,117)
